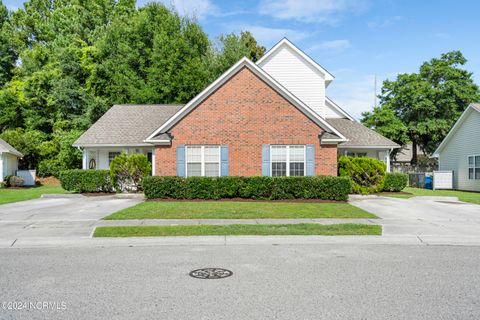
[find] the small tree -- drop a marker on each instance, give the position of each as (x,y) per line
(127,171)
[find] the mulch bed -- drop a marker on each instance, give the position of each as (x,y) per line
(248,200)
(48,181)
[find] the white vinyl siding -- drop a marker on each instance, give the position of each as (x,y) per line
(299,77)
(462,143)
(474,167)
(8,165)
(287,160)
(202,161)
(331,111)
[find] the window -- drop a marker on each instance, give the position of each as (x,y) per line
(203,161)
(112,155)
(287,160)
(356,154)
(474,167)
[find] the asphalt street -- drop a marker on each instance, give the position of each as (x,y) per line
(327,281)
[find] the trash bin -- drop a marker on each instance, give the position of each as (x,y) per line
(428,182)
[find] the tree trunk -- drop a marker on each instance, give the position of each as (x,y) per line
(414,153)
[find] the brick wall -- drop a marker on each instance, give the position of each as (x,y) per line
(244,114)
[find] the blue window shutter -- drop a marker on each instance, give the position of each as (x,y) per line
(181,160)
(266,160)
(310,160)
(224,160)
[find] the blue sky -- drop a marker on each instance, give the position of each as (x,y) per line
(354,40)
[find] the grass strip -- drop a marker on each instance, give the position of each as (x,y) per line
(472,197)
(9,195)
(238,210)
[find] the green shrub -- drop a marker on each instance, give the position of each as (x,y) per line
(367,174)
(395,182)
(48,168)
(319,187)
(127,171)
(13,181)
(6,181)
(78,180)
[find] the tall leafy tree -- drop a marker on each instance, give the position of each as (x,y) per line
(424,105)
(8,53)
(155,56)
(63,63)
(231,48)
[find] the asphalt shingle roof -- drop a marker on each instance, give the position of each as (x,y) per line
(127,124)
(359,135)
(6,148)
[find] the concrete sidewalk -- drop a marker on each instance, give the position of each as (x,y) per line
(87,242)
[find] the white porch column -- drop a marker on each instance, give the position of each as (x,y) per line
(387,159)
(85,159)
(153,162)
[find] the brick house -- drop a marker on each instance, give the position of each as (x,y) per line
(268,118)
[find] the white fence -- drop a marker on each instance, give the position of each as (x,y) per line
(442,180)
(29,177)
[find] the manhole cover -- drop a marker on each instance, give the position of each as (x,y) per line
(210,273)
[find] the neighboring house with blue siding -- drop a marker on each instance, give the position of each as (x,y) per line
(460,150)
(269,118)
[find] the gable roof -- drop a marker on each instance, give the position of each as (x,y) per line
(126,125)
(287,43)
(360,136)
(244,63)
(339,109)
(471,108)
(7,148)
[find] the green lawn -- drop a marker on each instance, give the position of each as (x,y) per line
(473,197)
(238,210)
(13,195)
(240,229)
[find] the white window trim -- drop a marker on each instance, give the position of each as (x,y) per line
(474,167)
(202,158)
(288,158)
(108,155)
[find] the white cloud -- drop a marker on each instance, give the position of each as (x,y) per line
(331,46)
(320,11)
(270,36)
(355,96)
(194,8)
(379,24)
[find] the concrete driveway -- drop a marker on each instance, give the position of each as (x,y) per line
(425,217)
(71,216)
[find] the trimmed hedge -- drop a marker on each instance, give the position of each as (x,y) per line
(395,182)
(78,180)
(271,188)
(367,174)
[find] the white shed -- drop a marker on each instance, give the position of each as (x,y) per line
(8,159)
(460,150)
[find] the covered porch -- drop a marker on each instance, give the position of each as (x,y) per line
(100,157)
(382,154)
